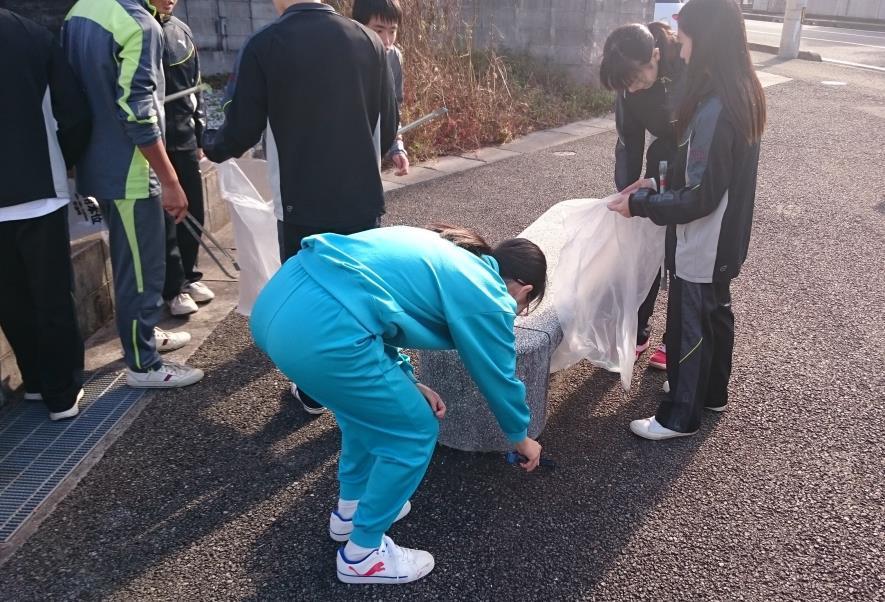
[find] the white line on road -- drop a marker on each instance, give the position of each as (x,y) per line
(876,35)
(855,65)
(765,33)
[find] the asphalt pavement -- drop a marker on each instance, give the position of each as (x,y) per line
(222,491)
(832,43)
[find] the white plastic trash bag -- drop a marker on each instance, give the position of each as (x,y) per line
(255,232)
(84,217)
(605,271)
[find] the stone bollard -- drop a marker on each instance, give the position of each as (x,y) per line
(469,424)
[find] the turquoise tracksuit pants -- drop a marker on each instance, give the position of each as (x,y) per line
(388,431)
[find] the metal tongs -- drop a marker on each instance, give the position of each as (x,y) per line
(193,226)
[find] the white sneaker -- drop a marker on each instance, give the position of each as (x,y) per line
(387,564)
(33,396)
(650,428)
(199,292)
(311,407)
(182,305)
(341,528)
(168,376)
(70,413)
(170,341)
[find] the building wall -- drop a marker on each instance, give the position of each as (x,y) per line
(567,33)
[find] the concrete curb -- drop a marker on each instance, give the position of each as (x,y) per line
(530,143)
(804,55)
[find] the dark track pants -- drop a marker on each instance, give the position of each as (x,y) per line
(37,307)
(700,343)
(182,249)
(646,310)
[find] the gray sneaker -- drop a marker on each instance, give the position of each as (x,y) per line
(168,376)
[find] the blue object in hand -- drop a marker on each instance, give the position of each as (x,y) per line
(514,457)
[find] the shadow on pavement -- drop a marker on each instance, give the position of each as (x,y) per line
(495,531)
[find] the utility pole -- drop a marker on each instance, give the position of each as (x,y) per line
(792,31)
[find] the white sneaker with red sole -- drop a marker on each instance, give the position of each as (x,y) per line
(168,376)
(167,341)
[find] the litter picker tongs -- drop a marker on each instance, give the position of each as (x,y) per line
(193,226)
(419,122)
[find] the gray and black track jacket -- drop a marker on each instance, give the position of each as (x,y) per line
(116,49)
(320,84)
(647,111)
(709,209)
(185,117)
(43,113)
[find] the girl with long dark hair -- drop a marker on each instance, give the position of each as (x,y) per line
(332,319)
(708,212)
(641,64)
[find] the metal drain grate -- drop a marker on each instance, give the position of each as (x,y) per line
(36,455)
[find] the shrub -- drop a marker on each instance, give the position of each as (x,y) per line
(491,98)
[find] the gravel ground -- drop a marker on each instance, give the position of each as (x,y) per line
(222,491)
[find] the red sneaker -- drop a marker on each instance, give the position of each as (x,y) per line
(658,359)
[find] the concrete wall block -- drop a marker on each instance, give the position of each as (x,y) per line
(94,311)
(89,257)
(568,56)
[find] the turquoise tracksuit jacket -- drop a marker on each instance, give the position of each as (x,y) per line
(417,290)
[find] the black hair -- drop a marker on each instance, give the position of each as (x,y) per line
(388,11)
(720,64)
(630,47)
(519,259)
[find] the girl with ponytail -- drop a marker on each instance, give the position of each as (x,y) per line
(333,318)
(641,64)
(708,212)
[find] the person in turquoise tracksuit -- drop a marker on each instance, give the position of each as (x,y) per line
(333,318)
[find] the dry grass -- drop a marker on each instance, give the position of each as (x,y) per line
(491,98)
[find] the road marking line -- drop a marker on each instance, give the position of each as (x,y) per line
(777,35)
(855,65)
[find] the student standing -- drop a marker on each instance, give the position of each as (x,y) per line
(185,124)
(46,122)
(116,49)
(641,63)
(332,319)
(708,212)
(385,17)
(320,85)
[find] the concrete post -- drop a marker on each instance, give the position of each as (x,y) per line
(791,35)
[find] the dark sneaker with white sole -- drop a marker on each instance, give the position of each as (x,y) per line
(70,412)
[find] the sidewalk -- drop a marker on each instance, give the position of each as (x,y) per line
(222,492)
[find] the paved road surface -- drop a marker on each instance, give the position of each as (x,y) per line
(222,491)
(852,45)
